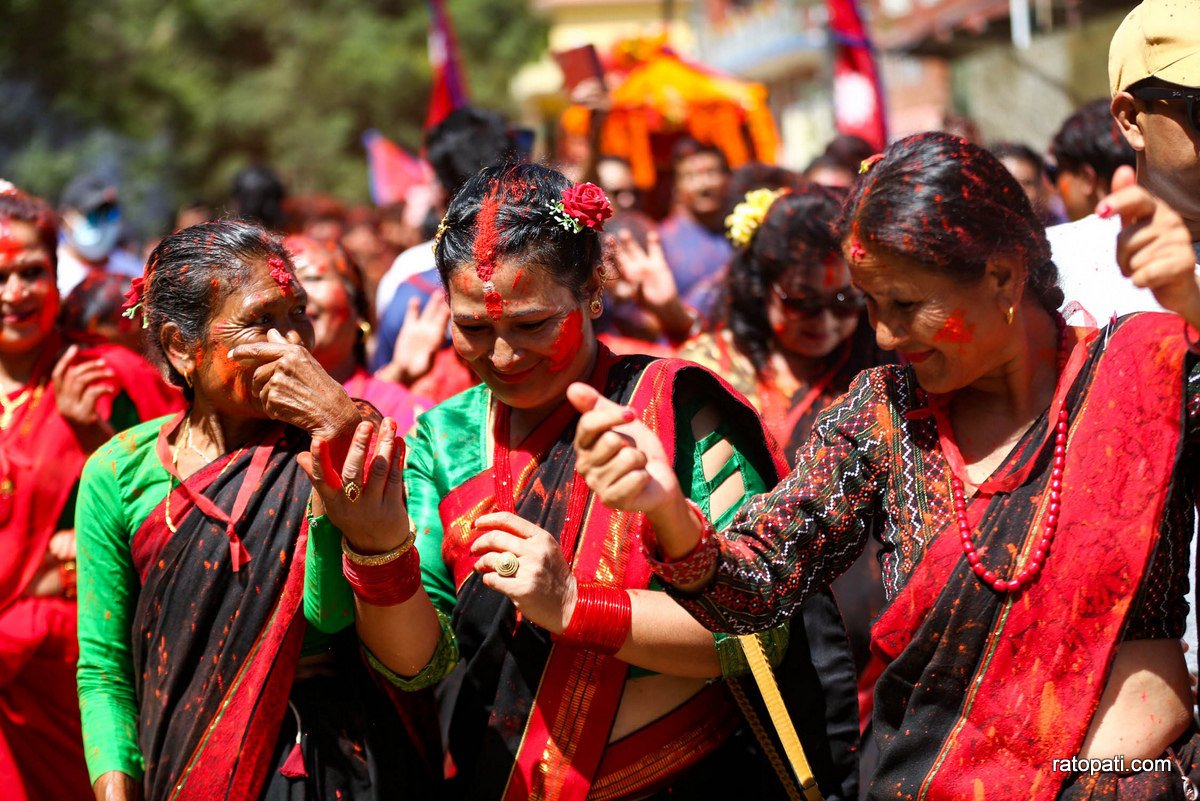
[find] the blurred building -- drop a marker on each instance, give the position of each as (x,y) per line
(945,63)
(538,87)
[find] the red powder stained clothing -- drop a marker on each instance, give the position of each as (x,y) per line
(956,329)
(568,343)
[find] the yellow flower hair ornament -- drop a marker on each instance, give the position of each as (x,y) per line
(748,215)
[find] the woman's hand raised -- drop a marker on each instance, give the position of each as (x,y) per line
(78,387)
(366,501)
(543,588)
(293,387)
(624,464)
(1154,247)
(622,461)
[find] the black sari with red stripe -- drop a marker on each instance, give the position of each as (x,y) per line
(529,717)
(216,649)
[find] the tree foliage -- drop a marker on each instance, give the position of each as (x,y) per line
(178,96)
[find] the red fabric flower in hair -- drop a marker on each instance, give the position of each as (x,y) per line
(587,204)
(133,297)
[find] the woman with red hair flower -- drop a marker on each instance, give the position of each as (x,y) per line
(567,675)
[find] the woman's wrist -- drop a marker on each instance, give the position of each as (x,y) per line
(685,570)
(676,530)
(601,618)
(370,545)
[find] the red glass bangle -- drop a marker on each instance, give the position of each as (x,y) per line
(387,584)
(601,619)
(695,566)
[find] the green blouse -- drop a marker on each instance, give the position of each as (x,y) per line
(449,445)
(122,483)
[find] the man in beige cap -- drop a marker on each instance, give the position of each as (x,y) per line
(1154,77)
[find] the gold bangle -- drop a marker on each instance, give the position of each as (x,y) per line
(375,560)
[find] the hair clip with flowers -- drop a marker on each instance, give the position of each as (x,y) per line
(441,231)
(748,216)
(134,300)
(582,206)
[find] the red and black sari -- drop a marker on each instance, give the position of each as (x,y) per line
(41,746)
(528,717)
(983,691)
(216,649)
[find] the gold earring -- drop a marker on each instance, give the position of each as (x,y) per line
(365,328)
(188,378)
(1009,315)
(596,306)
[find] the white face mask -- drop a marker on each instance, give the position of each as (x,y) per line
(94,241)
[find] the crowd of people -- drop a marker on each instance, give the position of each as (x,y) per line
(872,480)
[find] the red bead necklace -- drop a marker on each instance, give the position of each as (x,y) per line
(1037,557)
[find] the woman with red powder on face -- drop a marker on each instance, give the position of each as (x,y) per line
(566,673)
(217,658)
(792,361)
(800,356)
(1032,483)
(59,403)
(340,315)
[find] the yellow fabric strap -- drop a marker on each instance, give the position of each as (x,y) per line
(764,677)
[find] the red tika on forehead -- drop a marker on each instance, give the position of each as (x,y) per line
(487,237)
(10,246)
(280,274)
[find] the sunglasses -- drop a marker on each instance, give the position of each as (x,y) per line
(843,303)
(1189,96)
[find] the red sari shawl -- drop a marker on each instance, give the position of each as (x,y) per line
(983,690)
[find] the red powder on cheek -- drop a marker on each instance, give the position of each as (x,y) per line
(568,342)
(494,304)
(280,274)
(956,329)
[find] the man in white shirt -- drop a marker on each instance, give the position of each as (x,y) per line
(1154,76)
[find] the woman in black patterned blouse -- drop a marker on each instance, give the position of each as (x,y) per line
(1031,484)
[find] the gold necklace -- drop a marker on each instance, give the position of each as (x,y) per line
(11,407)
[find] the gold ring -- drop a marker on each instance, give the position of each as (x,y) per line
(507,564)
(352,491)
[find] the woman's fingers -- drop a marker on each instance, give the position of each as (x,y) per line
(623,493)
(381,463)
(608,445)
(507,521)
(499,542)
(599,414)
(60,367)
(628,460)
(353,469)
(323,456)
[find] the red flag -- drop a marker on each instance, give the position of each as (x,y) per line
(392,170)
(449,88)
(857,92)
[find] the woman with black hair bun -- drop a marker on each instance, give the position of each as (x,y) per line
(217,655)
(795,332)
(566,674)
(1033,484)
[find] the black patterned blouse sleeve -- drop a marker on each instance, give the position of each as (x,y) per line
(789,543)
